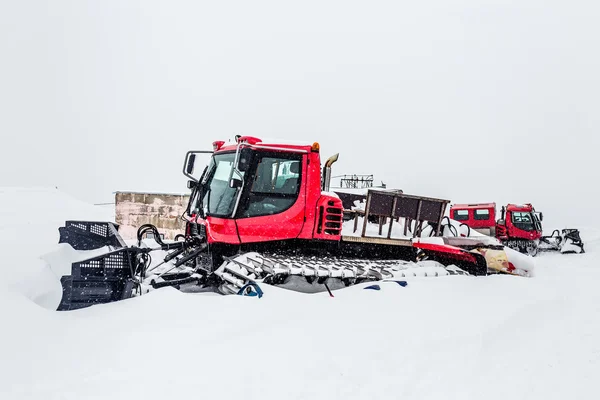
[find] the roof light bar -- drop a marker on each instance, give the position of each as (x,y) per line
(218,144)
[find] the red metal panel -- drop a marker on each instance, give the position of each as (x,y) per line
(472,221)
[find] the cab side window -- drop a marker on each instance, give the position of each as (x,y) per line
(482,215)
(275,186)
(276,176)
(460,215)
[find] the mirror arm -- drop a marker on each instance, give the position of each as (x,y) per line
(190,159)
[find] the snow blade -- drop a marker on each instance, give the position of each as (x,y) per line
(102,279)
(572,242)
(90,235)
(568,243)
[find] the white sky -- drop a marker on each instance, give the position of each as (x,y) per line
(467,100)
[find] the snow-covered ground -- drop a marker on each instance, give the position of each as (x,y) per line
(451,337)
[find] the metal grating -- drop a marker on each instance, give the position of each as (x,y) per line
(114,264)
(393,205)
(88,235)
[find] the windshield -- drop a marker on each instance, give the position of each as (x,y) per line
(272,185)
(523,220)
(219,199)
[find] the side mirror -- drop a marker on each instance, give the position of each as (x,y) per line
(244,159)
(191,184)
(235,183)
(189,162)
(541,217)
(189,168)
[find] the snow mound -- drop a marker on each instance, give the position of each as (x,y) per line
(435,338)
(30,221)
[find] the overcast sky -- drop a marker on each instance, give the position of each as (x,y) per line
(470,100)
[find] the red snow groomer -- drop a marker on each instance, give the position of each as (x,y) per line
(519,227)
(262,212)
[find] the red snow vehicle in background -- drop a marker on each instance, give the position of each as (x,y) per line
(519,227)
(480,217)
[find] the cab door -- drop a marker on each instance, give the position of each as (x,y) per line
(273,201)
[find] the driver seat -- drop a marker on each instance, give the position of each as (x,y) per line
(290,186)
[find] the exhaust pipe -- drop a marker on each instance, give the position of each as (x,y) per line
(327,172)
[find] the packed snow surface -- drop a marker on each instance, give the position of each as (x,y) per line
(451,337)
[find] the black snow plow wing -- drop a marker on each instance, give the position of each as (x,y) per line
(97,280)
(569,242)
(119,273)
(101,279)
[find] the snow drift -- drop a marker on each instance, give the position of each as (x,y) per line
(30,218)
(450,337)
